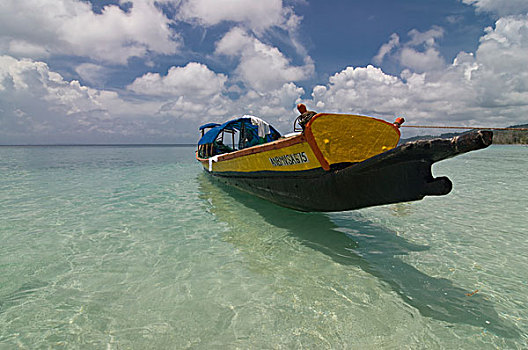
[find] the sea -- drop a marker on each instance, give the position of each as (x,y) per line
(133,247)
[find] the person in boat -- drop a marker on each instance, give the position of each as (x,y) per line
(305,116)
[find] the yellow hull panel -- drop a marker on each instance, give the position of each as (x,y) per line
(268,157)
(351,138)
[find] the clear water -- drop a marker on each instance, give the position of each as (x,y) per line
(134,248)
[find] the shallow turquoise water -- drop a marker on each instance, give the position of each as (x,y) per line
(133,247)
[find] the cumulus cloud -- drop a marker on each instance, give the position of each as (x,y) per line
(194,93)
(421,61)
(37,105)
(37,28)
(35,79)
(276,106)
(485,88)
(94,74)
(353,89)
(254,15)
(501,59)
(500,7)
(427,38)
(386,48)
(24,49)
(194,81)
(36,101)
(261,67)
(419,53)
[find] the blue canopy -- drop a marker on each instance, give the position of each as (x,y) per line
(254,129)
(208,125)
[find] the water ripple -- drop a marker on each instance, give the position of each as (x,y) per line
(135,248)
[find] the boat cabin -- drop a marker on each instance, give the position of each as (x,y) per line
(234,135)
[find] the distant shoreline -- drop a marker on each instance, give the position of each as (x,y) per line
(500,137)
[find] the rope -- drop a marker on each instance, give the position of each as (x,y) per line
(460,127)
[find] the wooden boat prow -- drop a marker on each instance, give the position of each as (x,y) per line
(339,162)
(339,138)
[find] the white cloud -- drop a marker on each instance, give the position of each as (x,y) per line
(429,57)
(260,18)
(194,81)
(427,38)
(487,88)
(419,53)
(254,15)
(41,86)
(362,88)
(24,49)
(500,7)
(276,106)
(92,73)
(502,60)
(421,61)
(386,48)
(261,67)
(37,28)
(37,105)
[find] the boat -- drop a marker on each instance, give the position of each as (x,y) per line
(333,162)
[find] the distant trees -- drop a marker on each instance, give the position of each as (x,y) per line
(511,136)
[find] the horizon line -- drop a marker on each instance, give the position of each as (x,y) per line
(100,145)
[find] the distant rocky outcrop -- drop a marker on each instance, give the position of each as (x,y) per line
(500,137)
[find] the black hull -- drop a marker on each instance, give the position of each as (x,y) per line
(400,175)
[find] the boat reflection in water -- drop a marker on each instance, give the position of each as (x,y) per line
(258,229)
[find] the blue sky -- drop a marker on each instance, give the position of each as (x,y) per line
(145,71)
